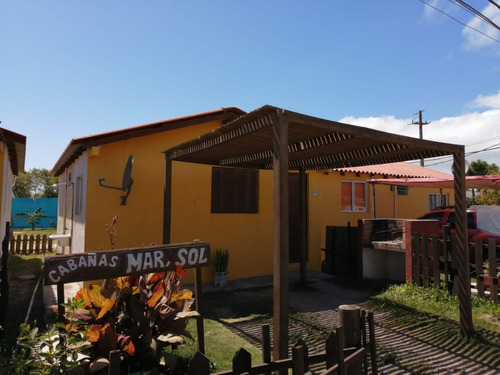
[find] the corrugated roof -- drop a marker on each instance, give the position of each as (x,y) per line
(79,145)
(400,169)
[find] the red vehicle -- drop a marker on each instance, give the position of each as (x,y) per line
(482,222)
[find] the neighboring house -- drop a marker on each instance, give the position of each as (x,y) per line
(12,156)
(229,207)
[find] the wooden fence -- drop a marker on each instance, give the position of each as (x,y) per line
(4,279)
(440,271)
(336,358)
(30,244)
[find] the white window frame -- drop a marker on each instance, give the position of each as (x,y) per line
(353,196)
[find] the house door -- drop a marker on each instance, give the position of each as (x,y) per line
(295,235)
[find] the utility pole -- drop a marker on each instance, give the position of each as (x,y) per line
(420,124)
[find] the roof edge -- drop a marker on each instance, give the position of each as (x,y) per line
(77,145)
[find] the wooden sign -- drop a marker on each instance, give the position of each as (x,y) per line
(113,263)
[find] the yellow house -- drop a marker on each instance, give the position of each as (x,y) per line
(12,156)
(123,172)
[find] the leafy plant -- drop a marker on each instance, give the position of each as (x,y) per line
(141,316)
(58,350)
(221,260)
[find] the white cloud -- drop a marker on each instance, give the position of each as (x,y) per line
(487,101)
(431,12)
(475,40)
(477,131)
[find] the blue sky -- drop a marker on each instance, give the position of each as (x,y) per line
(74,68)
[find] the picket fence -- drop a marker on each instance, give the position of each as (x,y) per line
(31,244)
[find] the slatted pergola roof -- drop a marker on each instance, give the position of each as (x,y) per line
(313,143)
(281,140)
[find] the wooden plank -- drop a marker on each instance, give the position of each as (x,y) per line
(266,345)
(280,277)
(298,364)
(199,365)
(242,362)
(303,225)
(373,346)
(114,362)
(425,260)
(416,258)
(167,201)
(463,268)
(436,272)
(121,262)
(198,293)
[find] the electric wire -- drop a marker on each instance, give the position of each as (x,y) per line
(460,22)
(478,14)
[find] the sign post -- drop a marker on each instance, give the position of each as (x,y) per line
(61,269)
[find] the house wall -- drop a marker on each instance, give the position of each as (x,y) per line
(6,179)
(248,237)
(72,204)
(325,206)
(141,219)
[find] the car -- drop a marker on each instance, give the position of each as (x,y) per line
(482,222)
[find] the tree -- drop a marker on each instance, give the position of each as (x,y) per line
(486,196)
(36,183)
(481,168)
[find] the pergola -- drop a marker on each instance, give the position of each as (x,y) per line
(275,139)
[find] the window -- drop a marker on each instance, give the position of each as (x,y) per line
(401,190)
(235,190)
(78,196)
(437,200)
(354,196)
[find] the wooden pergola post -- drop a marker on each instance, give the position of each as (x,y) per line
(303,225)
(281,242)
(462,251)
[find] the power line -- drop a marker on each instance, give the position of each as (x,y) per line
(478,14)
(447,157)
(460,22)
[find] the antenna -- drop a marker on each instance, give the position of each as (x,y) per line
(127,181)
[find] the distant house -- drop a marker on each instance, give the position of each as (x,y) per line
(229,207)
(12,157)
